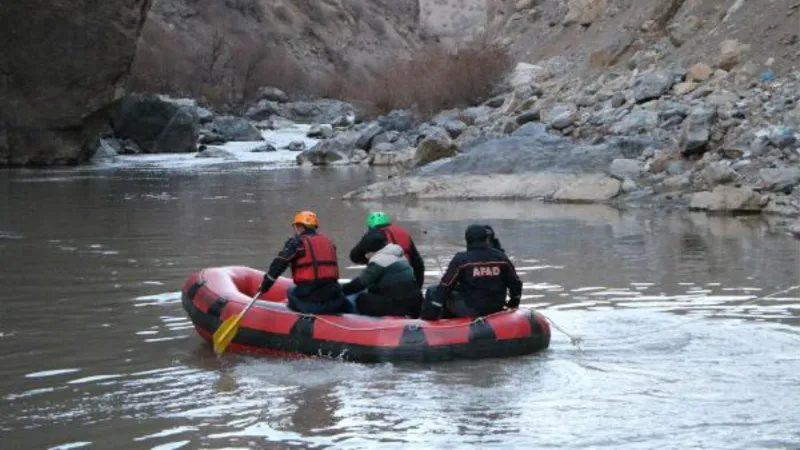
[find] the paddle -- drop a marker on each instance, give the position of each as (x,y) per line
(227,331)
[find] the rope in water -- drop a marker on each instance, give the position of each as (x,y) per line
(576,340)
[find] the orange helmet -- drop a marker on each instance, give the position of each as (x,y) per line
(306,218)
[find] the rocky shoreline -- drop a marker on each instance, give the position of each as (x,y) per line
(701,138)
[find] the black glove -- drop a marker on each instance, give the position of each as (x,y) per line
(513,302)
(493,238)
(266,283)
(431,310)
(496,244)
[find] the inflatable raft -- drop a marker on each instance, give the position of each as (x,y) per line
(212,295)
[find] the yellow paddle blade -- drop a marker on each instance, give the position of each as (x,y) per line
(226,332)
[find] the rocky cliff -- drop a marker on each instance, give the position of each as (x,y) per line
(61,65)
(588,36)
(321,36)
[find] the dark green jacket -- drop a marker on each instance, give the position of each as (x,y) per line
(388,274)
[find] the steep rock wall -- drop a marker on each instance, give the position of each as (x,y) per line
(61,65)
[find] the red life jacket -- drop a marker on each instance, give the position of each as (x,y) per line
(399,236)
(319,262)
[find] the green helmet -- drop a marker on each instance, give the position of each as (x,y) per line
(378,219)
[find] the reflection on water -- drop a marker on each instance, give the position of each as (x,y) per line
(680,346)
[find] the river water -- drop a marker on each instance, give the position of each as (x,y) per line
(98,353)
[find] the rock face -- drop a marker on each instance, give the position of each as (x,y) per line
(556,187)
(730,53)
(588,189)
(56,82)
(215,152)
(235,129)
(622,169)
(652,86)
(529,149)
(584,12)
(340,149)
(402,157)
(728,199)
(435,146)
(155,125)
(310,112)
(795,229)
(780,179)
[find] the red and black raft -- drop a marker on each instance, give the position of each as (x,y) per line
(215,294)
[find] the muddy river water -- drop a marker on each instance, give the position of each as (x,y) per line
(679,348)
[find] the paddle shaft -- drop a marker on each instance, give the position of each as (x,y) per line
(252,302)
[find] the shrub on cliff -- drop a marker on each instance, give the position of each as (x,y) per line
(433,79)
(226,73)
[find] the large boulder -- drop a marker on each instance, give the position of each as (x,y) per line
(728,199)
(652,86)
(699,72)
(781,137)
(622,168)
(366,136)
(731,53)
(155,125)
(201,115)
(555,187)
(697,130)
(779,180)
(588,189)
(313,111)
(529,149)
(638,121)
(391,156)
(320,131)
(108,149)
(235,129)
(340,149)
(62,65)
(523,75)
(454,127)
(562,116)
(263,110)
(435,146)
(719,172)
(296,146)
(397,120)
(584,12)
(215,152)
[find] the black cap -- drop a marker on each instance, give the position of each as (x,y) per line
(476,233)
(373,242)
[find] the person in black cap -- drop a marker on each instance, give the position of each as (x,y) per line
(493,241)
(387,286)
(476,280)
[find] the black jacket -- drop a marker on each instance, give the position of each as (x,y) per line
(482,276)
(319,292)
(358,256)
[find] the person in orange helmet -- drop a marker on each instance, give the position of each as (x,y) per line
(315,269)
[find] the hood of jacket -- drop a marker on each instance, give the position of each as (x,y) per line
(388,255)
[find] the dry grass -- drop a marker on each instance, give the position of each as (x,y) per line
(224,74)
(433,79)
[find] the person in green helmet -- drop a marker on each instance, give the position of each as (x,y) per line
(380,223)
